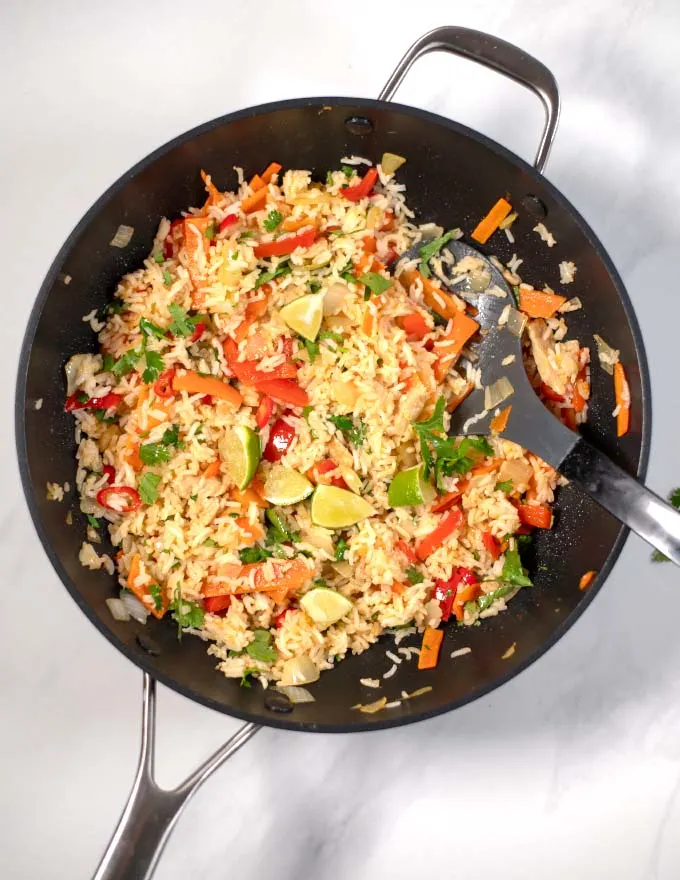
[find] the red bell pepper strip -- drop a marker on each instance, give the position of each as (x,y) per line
(445,593)
(406,550)
(247,371)
(264,412)
(109,472)
(216,604)
(281,437)
(325,467)
(537,515)
(134,502)
(285,390)
(491,544)
(108,401)
(199,330)
(228,221)
(435,539)
(278,620)
(163,384)
(283,246)
(549,394)
(363,188)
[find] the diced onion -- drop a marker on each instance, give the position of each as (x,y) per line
(296,694)
(297,671)
(480,280)
(607,355)
(391,162)
(344,569)
(118,609)
(374,217)
(134,607)
(371,708)
(352,479)
(72,370)
(497,392)
(516,322)
(123,236)
(335,296)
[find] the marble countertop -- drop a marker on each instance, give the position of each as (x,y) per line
(570,770)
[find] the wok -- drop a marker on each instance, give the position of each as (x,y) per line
(453,175)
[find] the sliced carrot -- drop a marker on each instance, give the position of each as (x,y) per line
(255,202)
(285,390)
(141,592)
(279,596)
(404,548)
(436,538)
(194,383)
(214,195)
(368,321)
(370,244)
(414,325)
(622,393)
(538,516)
(464,593)
(429,649)
(213,469)
(489,224)
(450,346)
(499,423)
(491,544)
(292,224)
(586,580)
(481,469)
(435,299)
(398,588)
(286,575)
(159,410)
(256,184)
(248,496)
(252,531)
(580,395)
(271,169)
(132,457)
(539,303)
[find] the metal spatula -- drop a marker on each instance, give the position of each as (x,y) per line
(499,353)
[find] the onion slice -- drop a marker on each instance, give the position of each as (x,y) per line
(123,236)
(296,694)
(516,322)
(118,610)
(607,355)
(297,671)
(497,392)
(134,607)
(371,708)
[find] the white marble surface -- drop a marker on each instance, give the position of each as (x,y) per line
(572,769)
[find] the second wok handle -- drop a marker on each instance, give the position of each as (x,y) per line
(629,501)
(151,812)
(499,56)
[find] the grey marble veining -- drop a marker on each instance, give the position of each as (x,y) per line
(572,769)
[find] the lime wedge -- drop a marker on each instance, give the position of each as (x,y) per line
(410,488)
(335,508)
(325,606)
(286,486)
(304,315)
(240,451)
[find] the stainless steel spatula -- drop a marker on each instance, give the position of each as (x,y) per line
(530,424)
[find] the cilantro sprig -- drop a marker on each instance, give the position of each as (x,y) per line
(354,431)
(432,248)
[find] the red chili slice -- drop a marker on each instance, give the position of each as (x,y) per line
(361,189)
(109,472)
(278,620)
(198,332)
(135,501)
(264,412)
(280,440)
(228,221)
(163,384)
(108,401)
(216,604)
(283,246)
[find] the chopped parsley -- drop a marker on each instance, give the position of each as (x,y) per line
(266,277)
(312,349)
(154,453)
(341,549)
(413,575)
(256,553)
(273,220)
(433,247)
(355,432)
(148,328)
(154,366)
(155,593)
(261,647)
(148,487)
(514,572)
(92,521)
(115,307)
(375,283)
(504,486)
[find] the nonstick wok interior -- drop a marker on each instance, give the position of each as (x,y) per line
(453,176)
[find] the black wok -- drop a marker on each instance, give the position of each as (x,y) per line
(453,175)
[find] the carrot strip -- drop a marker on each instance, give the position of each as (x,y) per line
(214,195)
(435,299)
(254,202)
(212,470)
(489,224)
(622,393)
(464,593)
(248,496)
(292,224)
(483,469)
(414,325)
(252,531)
(194,383)
(256,184)
(279,596)
(406,550)
(499,423)
(370,244)
(132,457)
(163,407)
(368,321)
(288,575)
(271,169)
(538,516)
(451,344)
(436,538)
(429,650)
(446,501)
(140,592)
(586,580)
(539,303)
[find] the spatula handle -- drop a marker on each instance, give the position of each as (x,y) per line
(626,499)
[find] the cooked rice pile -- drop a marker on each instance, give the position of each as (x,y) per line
(204,282)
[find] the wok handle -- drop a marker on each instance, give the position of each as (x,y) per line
(629,501)
(151,812)
(499,56)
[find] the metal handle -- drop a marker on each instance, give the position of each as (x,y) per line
(499,56)
(151,812)
(629,501)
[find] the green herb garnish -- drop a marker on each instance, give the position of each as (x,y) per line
(115,307)
(328,334)
(183,324)
(413,575)
(514,572)
(92,521)
(256,553)
(273,220)
(155,593)
(167,278)
(209,542)
(433,247)
(341,549)
(148,487)
(348,171)
(261,647)
(355,432)
(312,349)
(314,286)
(674,498)
(245,678)
(375,283)
(210,230)
(154,453)
(185,613)
(504,486)
(148,328)
(487,599)
(159,257)
(126,363)
(108,362)
(154,366)
(266,277)
(306,410)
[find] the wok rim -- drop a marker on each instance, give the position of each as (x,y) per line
(144,663)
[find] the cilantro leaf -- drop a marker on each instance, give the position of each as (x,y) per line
(92,521)
(433,247)
(342,423)
(261,647)
(148,328)
(209,542)
(273,220)
(486,600)
(159,257)
(280,532)
(504,486)
(245,678)
(413,575)
(328,334)
(314,286)
(154,453)
(674,498)
(182,324)
(348,171)
(306,410)
(126,363)
(148,487)
(377,284)
(329,178)
(108,362)
(354,431)
(167,278)
(171,437)
(514,572)
(186,613)
(155,593)
(341,549)
(266,277)
(115,307)
(312,349)
(256,553)
(154,366)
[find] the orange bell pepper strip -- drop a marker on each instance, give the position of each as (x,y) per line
(539,303)
(255,310)
(292,224)
(256,184)
(538,516)
(283,246)
(464,593)
(491,544)
(212,470)
(451,522)
(414,325)
(214,195)
(489,224)
(249,496)
(132,457)
(247,371)
(430,647)
(141,592)
(251,532)
(456,401)
(404,548)
(285,390)
(622,393)
(499,423)
(452,343)
(254,202)
(159,410)
(271,169)
(586,580)
(194,383)
(286,575)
